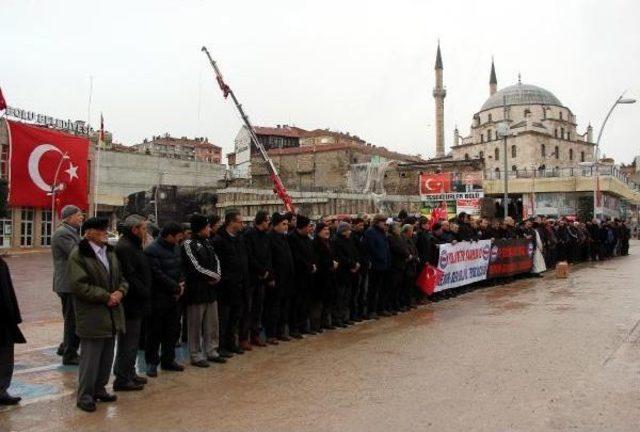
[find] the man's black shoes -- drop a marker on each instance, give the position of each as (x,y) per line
(87,406)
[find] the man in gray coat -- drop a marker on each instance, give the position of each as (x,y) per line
(65,238)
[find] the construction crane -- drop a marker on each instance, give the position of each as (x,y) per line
(278,187)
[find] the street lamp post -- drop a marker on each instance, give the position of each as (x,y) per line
(54,188)
(503,132)
(155,198)
(596,150)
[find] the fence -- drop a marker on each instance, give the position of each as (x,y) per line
(587,171)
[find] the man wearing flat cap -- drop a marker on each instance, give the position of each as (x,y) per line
(98,288)
(65,238)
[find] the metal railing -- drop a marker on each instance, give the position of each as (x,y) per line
(587,171)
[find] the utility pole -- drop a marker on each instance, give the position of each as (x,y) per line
(504,131)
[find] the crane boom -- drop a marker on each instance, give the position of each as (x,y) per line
(278,186)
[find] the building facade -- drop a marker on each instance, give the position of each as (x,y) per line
(199,149)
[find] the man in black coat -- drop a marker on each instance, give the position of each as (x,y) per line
(202,274)
(234,285)
(359,292)
(303,259)
(280,289)
(346,255)
(10,334)
(259,253)
(163,324)
(135,269)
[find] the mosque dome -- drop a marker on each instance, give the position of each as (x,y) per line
(521,94)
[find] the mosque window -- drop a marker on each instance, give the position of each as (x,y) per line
(561,115)
(557,152)
(562,133)
(481,155)
(497,153)
(489,135)
(514,152)
(466,156)
(581,156)
(497,171)
(481,138)
(514,168)
(568,135)
(543,150)
(555,133)
(490,119)
(570,154)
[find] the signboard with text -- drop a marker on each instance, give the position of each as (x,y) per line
(463,263)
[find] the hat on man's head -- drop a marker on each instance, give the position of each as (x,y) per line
(69,210)
(379,218)
(198,222)
(302,221)
(342,227)
(276,218)
(97,223)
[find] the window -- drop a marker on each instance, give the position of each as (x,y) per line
(490,119)
(560,115)
(497,153)
(5,233)
(514,168)
(570,154)
(481,154)
(489,135)
(562,133)
(45,228)
(581,156)
(26,227)
(557,152)
(543,150)
(481,138)
(466,156)
(514,152)
(497,171)
(568,135)
(4,161)
(555,133)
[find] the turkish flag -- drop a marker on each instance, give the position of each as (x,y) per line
(3,103)
(42,160)
(431,184)
(429,278)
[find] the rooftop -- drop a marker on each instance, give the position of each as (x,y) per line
(521,94)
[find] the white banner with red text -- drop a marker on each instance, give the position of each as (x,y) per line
(462,263)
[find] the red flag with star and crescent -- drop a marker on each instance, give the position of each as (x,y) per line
(43,161)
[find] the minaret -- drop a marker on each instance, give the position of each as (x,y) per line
(439,94)
(493,81)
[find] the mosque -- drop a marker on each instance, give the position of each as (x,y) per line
(548,160)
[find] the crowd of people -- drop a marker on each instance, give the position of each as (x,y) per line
(223,288)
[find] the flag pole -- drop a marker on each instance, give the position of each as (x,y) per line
(97,167)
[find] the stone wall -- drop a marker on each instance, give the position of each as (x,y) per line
(122,174)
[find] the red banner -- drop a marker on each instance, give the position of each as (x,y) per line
(43,161)
(510,257)
(431,184)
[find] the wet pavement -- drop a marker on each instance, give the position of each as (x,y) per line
(533,355)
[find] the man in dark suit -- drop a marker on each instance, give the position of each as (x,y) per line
(10,334)
(65,238)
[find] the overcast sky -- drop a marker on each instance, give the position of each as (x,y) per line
(362,67)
